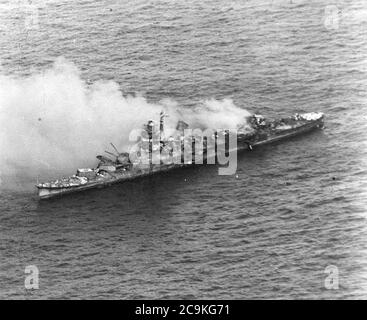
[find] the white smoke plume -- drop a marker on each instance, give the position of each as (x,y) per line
(53,122)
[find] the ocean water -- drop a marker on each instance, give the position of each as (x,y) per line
(293,209)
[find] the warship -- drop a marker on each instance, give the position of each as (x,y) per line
(170,150)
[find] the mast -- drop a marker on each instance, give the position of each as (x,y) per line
(161,125)
(150,128)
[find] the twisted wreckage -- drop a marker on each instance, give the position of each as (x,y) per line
(177,151)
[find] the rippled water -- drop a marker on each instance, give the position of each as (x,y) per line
(295,207)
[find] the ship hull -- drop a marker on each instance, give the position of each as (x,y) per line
(304,129)
(47,193)
(243,144)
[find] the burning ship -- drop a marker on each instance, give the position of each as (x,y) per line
(154,152)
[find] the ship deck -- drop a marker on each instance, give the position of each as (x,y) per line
(120,176)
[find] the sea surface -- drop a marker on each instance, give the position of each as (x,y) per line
(294,208)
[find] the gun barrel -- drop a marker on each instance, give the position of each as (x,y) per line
(113,146)
(110,153)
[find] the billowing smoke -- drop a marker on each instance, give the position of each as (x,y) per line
(54,122)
